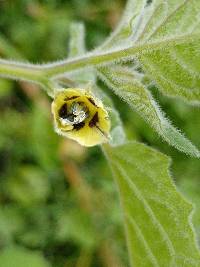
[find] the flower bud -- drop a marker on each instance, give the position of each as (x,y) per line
(80,116)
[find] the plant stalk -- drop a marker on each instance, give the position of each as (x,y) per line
(43,73)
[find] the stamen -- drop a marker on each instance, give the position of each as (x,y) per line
(78,112)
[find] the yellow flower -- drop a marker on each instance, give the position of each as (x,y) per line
(80,116)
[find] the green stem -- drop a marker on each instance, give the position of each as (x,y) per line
(43,73)
(22,71)
(100,58)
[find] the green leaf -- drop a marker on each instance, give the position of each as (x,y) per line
(77,39)
(125,28)
(175,69)
(157,217)
(18,257)
(77,48)
(190,189)
(125,83)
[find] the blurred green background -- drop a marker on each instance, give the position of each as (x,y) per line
(58,202)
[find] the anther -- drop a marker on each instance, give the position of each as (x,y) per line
(77,113)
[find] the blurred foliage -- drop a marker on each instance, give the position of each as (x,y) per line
(58,203)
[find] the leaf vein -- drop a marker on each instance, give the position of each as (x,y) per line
(143,240)
(148,209)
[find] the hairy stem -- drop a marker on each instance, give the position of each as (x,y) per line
(43,73)
(92,59)
(22,71)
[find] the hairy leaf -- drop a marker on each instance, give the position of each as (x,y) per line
(76,48)
(130,89)
(77,39)
(125,28)
(175,69)
(157,217)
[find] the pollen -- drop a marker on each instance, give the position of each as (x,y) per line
(80,116)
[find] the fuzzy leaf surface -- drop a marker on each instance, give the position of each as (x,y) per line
(157,217)
(175,69)
(127,86)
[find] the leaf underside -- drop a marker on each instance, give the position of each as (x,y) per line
(175,69)
(157,218)
(123,82)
